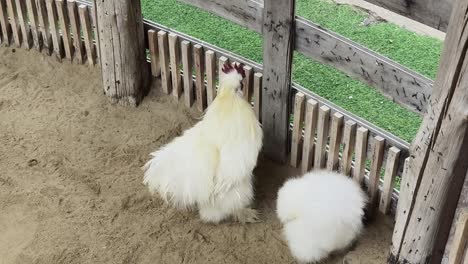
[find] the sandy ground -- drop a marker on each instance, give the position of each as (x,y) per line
(70,179)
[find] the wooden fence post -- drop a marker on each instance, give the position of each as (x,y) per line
(121,43)
(278,46)
(438,157)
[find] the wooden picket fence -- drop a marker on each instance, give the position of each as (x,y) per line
(64,28)
(323,135)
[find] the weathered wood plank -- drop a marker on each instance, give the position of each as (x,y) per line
(360,155)
(434,13)
(15,28)
(199,76)
(44,26)
(395,81)
(278,47)
(402,85)
(64,28)
(349,140)
(34,23)
(322,137)
(87,34)
(248,83)
(210,63)
(154,52)
(4,23)
(296,141)
(245,13)
(164,62)
(378,146)
(335,140)
(21,11)
(391,167)
(174,54)
(309,135)
(78,49)
(438,163)
(187,67)
(258,95)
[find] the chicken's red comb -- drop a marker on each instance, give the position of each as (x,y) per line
(239,68)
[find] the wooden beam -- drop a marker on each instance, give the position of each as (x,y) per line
(438,161)
(298,119)
(309,135)
(78,49)
(278,39)
(405,86)
(123,59)
(434,13)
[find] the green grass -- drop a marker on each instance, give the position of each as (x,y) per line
(414,51)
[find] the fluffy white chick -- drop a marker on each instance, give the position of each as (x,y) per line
(321,212)
(210,166)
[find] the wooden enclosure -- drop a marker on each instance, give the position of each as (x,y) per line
(321,134)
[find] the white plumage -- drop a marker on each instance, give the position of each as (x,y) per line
(321,212)
(210,166)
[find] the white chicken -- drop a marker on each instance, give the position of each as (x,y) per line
(210,166)
(321,212)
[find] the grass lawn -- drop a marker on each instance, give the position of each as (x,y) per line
(414,51)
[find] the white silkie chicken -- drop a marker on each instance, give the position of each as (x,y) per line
(321,212)
(210,166)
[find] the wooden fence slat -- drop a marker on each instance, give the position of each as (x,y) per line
(378,146)
(23,23)
(199,76)
(349,139)
(322,137)
(248,83)
(64,27)
(95,31)
(164,62)
(258,95)
(309,135)
(34,22)
(154,52)
(174,53)
(335,140)
(11,6)
(210,64)
(4,23)
(78,50)
(360,155)
(187,67)
(44,26)
(222,60)
(87,34)
(53,23)
(296,140)
(393,156)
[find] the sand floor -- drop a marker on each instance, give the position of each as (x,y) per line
(71,186)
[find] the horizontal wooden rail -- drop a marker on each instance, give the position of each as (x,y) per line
(406,87)
(434,13)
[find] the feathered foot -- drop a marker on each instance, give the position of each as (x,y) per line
(246,215)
